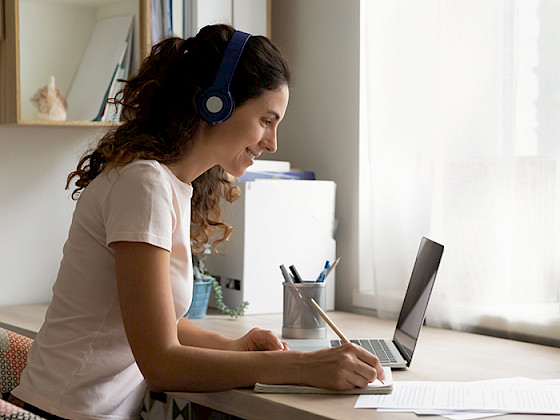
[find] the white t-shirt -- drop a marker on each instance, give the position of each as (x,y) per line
(81,365)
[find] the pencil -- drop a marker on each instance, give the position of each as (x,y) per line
(329,321)
(331,324)
(331,268)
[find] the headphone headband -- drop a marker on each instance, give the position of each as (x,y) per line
(216,103)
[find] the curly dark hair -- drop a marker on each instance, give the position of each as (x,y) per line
(159,116)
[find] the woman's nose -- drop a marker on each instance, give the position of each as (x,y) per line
(269,142)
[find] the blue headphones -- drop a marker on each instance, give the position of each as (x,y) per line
(216,104)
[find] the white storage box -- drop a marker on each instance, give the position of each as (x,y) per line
(275,222)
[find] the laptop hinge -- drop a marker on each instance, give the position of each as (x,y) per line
(403,351)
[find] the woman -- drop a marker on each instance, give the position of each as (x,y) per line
(148,192)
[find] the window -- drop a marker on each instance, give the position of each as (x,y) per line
(460,142)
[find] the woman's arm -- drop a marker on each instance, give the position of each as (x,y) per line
(256,339)
(149,319)
(191,335)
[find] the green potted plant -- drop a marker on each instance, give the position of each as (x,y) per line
(204,282)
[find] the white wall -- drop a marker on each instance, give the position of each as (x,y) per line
(319,133)
(320,130)
(35,209)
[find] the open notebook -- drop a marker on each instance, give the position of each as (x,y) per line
(376,387)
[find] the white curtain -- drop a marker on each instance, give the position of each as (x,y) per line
(460,142)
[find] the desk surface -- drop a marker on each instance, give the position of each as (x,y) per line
(441,355)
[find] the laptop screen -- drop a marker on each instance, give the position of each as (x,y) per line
(416,298)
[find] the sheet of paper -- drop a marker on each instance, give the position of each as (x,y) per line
(470,416)
(555,382)
(468,396)
(449,414)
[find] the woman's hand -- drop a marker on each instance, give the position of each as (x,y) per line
(259,340)
(341,368)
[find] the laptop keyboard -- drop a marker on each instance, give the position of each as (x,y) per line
(377,347)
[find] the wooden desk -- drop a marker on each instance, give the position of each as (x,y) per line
(440,355)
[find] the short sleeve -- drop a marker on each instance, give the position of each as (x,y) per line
(139,206)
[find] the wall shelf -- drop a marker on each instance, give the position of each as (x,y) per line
(48,37)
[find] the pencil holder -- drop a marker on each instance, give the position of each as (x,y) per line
(300,319)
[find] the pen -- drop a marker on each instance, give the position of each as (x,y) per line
(331,324)
(286,275)
(323,274)
(297,277)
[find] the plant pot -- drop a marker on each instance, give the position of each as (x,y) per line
(199,304)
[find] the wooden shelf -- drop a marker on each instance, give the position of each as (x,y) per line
(11,59)
(42,123)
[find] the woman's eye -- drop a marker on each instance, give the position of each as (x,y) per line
(265,122)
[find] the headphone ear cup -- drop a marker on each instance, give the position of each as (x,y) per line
(215,105)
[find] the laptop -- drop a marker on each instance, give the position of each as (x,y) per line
(397,352)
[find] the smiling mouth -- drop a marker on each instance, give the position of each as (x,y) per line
(251,155)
